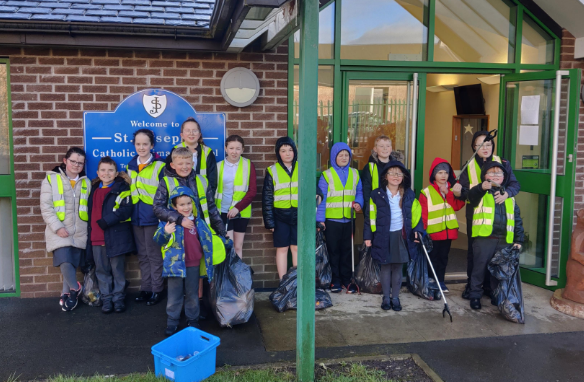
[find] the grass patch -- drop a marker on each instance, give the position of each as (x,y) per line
(354,372)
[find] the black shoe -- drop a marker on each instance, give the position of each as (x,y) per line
(194,324)
(494,301)
(119,307)
(155,299)
(336,288)
(170,330)
(475,303)
(466,292)
(143,296)
(395,304)
(71,302)
(107,307)
(386,304)
(203,311)
(62,300)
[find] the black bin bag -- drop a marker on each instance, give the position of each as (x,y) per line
(324,273)
(417,276)
(231,294)
(368,278)
(285,297)
(504,266)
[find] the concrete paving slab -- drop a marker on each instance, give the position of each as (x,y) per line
(358,320)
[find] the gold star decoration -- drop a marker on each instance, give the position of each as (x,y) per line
(468,129)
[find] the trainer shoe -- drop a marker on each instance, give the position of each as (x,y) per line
(395,304)
(107,307)
(466,292)
(386,304)
(194,324)
(73,300)
(62,300)
(444,288)
(119,307)
(336,288)
(170,330)
(351,288)
(144,296)
(475,303)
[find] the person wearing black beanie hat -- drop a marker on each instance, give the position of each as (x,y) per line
(470,178)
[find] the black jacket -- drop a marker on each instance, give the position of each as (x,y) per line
(512,186)
(475,195)
(211,168)
(119,239)
(366,176)
(287,215)
(164,213)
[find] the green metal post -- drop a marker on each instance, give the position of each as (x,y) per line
(306,189)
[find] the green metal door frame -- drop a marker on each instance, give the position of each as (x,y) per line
(420,121)
(8,188)
(539,181)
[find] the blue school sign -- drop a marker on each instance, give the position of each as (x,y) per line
(111,133)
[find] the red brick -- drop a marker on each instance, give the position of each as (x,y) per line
(38,70)
(79,79)
(188,64)
(92,52)
(211,82)
(54,114)
(120,53)
(94,89)
(134,81)
(23,79)
(201,73)
(94,70)
(16,88)
(10,51)
(52,79)
(238,64)
(40,106)
(25,114)
(251,56)
(134,63)
(106,62)
(24,97)
(54,133)
(167,54)
(68,106)
(79,97)
(111,80)
(122,89)
(161,81)
(175,72)
(37,51)
(95,106)
(67,52)
(67,88)
(66,70)
(70,124)
(23,60)
(108,97)
(79,61)
(213,65)
(160,64)
(146,54)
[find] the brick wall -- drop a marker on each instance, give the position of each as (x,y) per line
(568,62)
(51,88)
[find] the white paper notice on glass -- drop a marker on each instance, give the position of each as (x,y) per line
(530,110)
(529,135)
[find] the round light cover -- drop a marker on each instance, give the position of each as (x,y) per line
(240,87)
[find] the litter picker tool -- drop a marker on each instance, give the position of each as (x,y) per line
(446,309)
(489,137)
(353,282)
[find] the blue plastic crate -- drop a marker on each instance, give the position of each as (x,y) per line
(187,341)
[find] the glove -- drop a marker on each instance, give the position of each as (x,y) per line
(102,224)
(320,225)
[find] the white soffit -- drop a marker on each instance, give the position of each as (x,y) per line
(569,14)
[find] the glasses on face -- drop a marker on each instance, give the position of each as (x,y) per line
(486,145)
(396,174)
(76,163)
(496,173)
(191,132)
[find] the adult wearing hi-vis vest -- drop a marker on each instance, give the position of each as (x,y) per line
(280,202)
(495,225)
(236,188)
(470,178)
(64,195)
(393,225)
(341,187)
(438,214)
(204,161)
(146,169)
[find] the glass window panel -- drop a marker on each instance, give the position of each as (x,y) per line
(533,140)
(378,108)
(4,123)
(325,113)
(474,31)
(326,34)
(537,46)
(7,282)
(394,30)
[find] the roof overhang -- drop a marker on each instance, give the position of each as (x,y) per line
(570,15)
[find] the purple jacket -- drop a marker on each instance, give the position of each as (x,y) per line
(343,173)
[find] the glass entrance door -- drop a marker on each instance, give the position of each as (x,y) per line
(538,117)
(377,104)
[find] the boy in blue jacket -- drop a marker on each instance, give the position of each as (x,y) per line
(342,190)
(184,250)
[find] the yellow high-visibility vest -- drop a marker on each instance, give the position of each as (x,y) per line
(416,214)
(484,217)
(440,214)
(339,198)
(119,199)
(285,187)
(240,185)
(56,183)
(374,178)
(204,154)
(474,171)
(145,182)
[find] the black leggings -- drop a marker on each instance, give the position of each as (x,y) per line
(391,280)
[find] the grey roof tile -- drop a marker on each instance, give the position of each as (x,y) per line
(48,17)
(166,3)
(101,12)
(165,15)
(107,19)
(134,14)
(78,1)
(180,10)
(15,16)
(186,23)
(205,11)
(86,6)
(196,17)
(55,4)
(22,3)
(34,10)
(7,9)
(136,2)
(206,1)
(116,2)
(149,21)
(119,7)
(68,11)
(92,19)
(148,9)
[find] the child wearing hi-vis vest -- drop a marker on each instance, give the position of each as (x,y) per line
(393,227)
(180,173)
(341,187)
(438,207)
(494,226)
